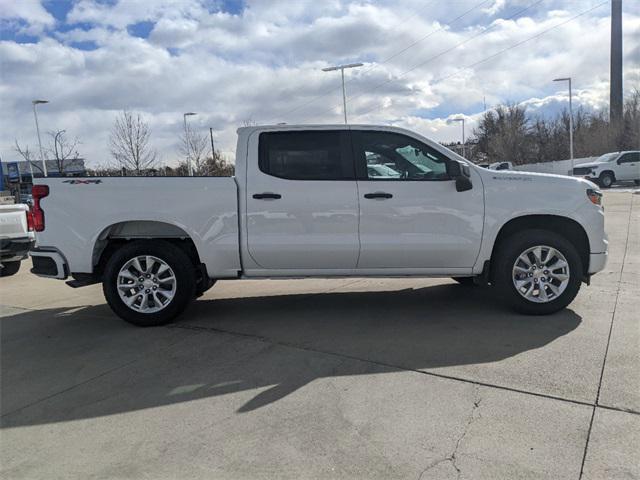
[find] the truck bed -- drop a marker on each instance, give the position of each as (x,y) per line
(81,212)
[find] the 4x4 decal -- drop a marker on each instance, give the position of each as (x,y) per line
(81,182)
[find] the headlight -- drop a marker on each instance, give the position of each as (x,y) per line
(595,196)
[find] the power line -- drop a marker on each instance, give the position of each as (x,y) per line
(394,55)
(444,52)
(490,57)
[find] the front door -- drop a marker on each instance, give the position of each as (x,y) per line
(302,205)
(411,215)
(628,166)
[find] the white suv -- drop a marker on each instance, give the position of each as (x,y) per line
(610,168)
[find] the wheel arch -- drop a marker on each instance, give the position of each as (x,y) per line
(610,172)
(117,234)
(564,226)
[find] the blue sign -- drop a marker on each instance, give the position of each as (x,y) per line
(13,172)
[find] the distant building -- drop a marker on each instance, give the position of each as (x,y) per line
(17,178)
(72,168)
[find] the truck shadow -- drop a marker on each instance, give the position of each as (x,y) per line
(60,365)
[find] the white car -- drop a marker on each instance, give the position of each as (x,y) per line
(304,203)
(16,237)
(501,166)
(611,168)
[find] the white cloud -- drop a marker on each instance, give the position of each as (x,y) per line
(31,12)
(265,64)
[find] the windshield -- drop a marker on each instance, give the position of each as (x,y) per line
(607,157)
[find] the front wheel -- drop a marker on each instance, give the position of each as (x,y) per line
(149,283)
(606,180)
(537,272)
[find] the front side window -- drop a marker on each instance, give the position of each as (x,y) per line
(393,156)
(310,155)
(630,158)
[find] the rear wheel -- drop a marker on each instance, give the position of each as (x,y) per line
(149,283)
(537,272)
(606,180)
(9,268)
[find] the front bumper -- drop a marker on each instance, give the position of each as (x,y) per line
(15,249)
(597,262)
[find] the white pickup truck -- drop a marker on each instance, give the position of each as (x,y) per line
(304,203)
(611,168)
(16,237)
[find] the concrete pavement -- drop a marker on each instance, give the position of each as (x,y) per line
(353,378)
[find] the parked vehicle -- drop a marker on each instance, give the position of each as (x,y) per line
(611,168)
(501,166)
(16,237)
(304,204)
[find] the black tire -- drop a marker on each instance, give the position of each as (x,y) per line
(606,180)
(465,281)
(9,268)
(179,262)
(509,249)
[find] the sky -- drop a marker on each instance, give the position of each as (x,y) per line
(260,61)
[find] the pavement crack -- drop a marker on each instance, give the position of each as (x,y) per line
(452,458)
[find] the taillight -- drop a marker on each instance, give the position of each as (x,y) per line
(29,220)
(37,214)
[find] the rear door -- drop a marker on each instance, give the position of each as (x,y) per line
(628,166)
(411,215)
(302,202)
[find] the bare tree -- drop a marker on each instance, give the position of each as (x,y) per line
(62,150)
(194,146)
(26,154)
(129,143)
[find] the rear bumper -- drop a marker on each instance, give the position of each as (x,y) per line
(49,264)
(15,249)
(597,262)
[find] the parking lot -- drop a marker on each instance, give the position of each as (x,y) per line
(353,378)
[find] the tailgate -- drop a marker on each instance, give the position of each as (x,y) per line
(13,221)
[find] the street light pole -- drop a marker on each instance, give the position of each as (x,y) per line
(186,142)
(461,120)
(565,79)
(35,116)
(344,94)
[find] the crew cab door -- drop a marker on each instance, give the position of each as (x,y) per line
(411,215)
(628,167)
(302,202)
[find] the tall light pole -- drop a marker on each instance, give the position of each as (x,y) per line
(461,120)
(344,95)
(568,79)
(186,141)
(35,115)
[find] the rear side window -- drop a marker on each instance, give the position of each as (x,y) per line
(310,155)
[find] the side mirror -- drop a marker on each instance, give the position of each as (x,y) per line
(463,184)
(454,169)
(460,174)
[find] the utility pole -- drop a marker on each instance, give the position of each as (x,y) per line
(35,116)
(344,95)
(615,93)
(565,79)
